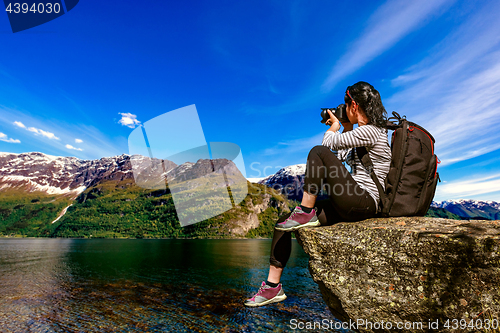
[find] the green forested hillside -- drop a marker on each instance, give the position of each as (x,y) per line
(442,213)
(122,209)
(29,214)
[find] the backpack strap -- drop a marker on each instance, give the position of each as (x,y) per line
(368,164)
(396,116)
(390,125)
(391,122)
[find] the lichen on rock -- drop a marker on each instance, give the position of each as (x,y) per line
(407,269)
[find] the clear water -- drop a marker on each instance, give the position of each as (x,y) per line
(113,285)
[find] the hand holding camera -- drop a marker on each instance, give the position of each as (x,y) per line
(338,114)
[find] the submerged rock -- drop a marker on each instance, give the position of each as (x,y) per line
(408,269)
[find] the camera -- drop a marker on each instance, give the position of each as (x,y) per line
(339,112)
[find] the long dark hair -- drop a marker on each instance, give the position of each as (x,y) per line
(368,98)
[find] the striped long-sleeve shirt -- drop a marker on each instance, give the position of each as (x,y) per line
(375,140)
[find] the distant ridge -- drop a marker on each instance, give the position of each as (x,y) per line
(471,209)
(59,175)
(70,176)
(289,180)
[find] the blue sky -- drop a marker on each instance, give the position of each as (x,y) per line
(258,73)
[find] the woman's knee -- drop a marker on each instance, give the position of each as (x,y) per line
(322,152)
(319,162)
(318,149)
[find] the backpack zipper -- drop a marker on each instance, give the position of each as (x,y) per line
(403,151)
(437,162)
(411,128)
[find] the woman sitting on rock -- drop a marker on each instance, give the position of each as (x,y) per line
(352,196)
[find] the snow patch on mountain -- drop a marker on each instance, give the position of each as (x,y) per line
(28,184)
(478,204)
(58,175)
(255,179)
(288,180)
(61,214)
(292,171)
(469,208)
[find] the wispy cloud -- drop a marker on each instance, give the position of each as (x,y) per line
(454,92)
(19,124)
(281,154)
(41,132)
(471,187)
(71,147)
(129,120)
(37,131)
(285,148)
(388,25)
(97,144)
(5,138)
(78,140)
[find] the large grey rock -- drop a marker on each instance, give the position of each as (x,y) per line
(409,269)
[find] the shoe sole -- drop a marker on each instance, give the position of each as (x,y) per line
(308,224)
(275,299)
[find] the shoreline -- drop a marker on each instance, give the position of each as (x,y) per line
(30,237)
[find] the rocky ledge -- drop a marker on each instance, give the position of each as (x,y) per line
(409,269)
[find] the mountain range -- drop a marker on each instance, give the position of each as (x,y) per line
(471,209)
(68,176)
(288,180)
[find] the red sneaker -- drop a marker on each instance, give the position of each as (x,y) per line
(298,219)
(266,295)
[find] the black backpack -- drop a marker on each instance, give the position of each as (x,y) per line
(412,179)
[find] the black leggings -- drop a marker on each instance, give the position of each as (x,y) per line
(347,202)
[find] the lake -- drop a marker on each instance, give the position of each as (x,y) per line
(149,285)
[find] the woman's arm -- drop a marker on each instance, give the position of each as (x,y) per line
(362,136)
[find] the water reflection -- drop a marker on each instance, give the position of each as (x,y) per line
(58,285)
(32,283)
